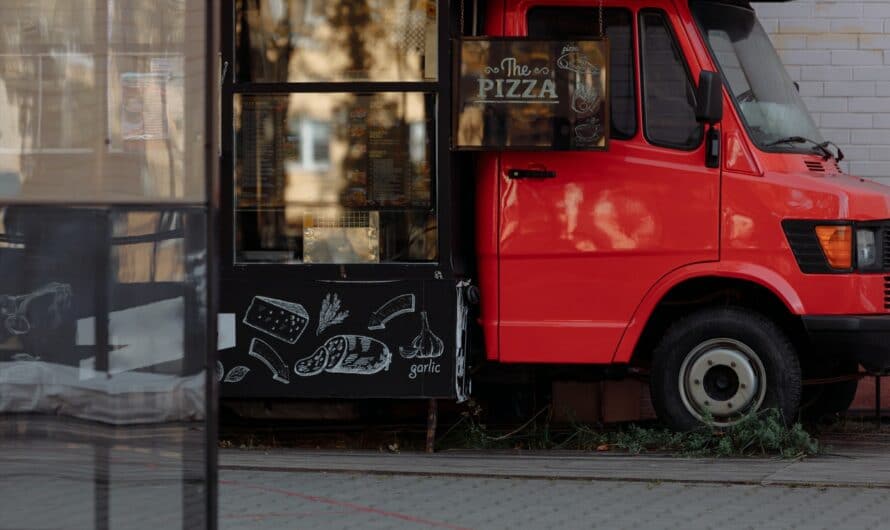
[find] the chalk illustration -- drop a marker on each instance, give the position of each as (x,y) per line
(586,98)
(589,130)
(399,305)
(574,61)
(236,374)
(283,320)
(14,309)
(426,345)
(346,354)
(267,355)
(220,371)
(330,313)
(461,382)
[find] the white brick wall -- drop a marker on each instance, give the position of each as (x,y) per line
(839,52)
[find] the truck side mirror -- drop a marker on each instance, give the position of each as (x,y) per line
(709,98)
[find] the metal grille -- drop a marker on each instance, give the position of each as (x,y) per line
(815,166)
(887,292)
(885,247)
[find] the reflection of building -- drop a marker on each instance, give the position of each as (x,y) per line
(307,156)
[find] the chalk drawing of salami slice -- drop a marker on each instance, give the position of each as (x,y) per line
(259,349)
(283,320)
(346,354)
(399,305)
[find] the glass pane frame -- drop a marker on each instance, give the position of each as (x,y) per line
(667,23)
(441,156)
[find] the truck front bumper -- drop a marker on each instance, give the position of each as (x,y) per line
(865,338)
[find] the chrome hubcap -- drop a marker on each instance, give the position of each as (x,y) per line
(723,379)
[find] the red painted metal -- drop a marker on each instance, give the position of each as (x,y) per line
(572,267)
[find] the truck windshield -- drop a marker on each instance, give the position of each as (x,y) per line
(764,93)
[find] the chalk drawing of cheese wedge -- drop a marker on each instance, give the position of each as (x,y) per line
(346,354)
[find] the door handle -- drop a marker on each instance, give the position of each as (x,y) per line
(530,174)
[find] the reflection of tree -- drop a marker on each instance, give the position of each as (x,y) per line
(263,54)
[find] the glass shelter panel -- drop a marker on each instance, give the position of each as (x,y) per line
(103,341)
(102,100)
(106,401)
(334,178)
(321,40)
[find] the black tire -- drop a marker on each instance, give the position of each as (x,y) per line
(819,401)
(767,350)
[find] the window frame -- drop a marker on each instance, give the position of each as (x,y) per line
(441,189)
(635,95)
(643,107)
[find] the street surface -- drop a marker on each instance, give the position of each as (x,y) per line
(151,478)
(849,488)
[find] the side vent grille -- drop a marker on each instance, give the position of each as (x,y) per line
(815,166)
(885,245)
(887,293)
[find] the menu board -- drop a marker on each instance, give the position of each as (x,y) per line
(521,94)
(380,170)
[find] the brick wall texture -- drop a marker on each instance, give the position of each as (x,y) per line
(839,52)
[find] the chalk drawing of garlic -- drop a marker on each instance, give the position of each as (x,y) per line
(426,345)
(330,313)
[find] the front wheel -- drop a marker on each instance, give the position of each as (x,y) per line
(720,364)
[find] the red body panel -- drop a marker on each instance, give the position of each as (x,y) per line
(572,267)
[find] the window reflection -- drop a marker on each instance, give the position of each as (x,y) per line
(334,178)
(96,94)
(318,40)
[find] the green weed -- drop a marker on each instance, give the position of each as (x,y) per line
(760,434)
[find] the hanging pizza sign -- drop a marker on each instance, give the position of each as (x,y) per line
(521,94)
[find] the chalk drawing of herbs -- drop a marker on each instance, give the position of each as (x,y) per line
(330,313)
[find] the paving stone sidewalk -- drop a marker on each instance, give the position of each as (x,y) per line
(849,488)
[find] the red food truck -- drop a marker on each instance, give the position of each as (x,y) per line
(631,184)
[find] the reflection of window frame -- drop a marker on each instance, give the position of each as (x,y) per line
(309,133)
(438,89)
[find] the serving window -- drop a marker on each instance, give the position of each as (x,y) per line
(334,127)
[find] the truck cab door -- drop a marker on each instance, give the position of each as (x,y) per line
(579,249)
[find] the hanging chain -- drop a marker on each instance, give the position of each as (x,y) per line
(461,22)
(602,21)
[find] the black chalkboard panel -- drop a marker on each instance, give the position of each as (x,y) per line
(521,94)
(313,339)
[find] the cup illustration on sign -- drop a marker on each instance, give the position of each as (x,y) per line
(426,345)
(346,354)
(588,130)
(283,320)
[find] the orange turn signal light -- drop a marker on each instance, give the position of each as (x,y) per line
(837,245)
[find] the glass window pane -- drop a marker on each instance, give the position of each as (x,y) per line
(668,92)
(581,22)
(96,95)
(334,178)
(103,344)
(345,40)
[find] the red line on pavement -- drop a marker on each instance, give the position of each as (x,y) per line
(262,516)
(342,504)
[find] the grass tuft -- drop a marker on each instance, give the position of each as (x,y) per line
(760,434)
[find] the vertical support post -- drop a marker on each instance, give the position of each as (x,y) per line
(432,420)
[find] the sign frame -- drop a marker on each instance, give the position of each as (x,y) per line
(457,63)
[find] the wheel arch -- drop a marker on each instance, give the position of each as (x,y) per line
(689,289)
